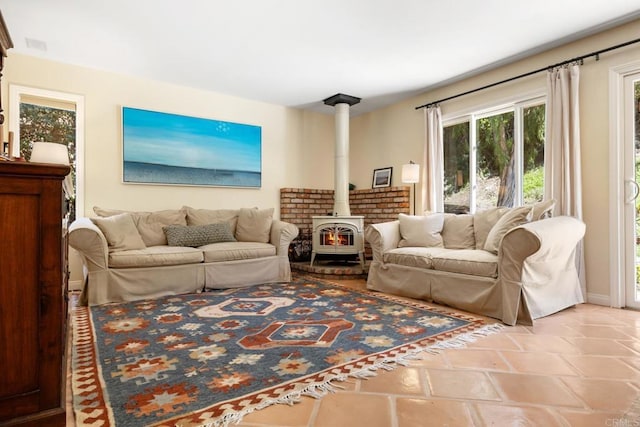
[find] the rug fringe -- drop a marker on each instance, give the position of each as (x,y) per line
(319,390)
(461,341)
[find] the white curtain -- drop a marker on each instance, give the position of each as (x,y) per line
(433,161)
(563,177)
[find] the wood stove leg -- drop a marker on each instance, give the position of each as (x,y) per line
(313,256)
(361,256)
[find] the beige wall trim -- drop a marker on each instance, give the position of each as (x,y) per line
(599,299)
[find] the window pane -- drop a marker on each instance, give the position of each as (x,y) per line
(456,168)
(533,179)
(495,173)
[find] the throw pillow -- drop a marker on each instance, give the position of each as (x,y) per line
(513,218)
(484,221)
(198,235)
(149,224)
(254,225)
(542,210)
(108,212)
(421,230)
(457,231)
(210,216)
(120,231)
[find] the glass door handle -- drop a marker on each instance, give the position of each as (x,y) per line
(636,191)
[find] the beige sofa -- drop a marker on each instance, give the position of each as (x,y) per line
(515,265)
(129,256)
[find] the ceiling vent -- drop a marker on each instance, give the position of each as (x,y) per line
(36,44)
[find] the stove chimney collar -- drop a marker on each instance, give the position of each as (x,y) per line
(341,98)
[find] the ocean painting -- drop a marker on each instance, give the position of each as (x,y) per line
(163,148)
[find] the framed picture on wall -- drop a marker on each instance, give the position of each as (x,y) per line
(171,149)
(382,177)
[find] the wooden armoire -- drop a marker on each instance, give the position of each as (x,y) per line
(33,291)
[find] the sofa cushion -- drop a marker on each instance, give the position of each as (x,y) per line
(475,262)
(232,251)
(149,224)
(457,231)
(210,216)
(254,225)
(120,231)
(155,256)
(513,218)
(484,221)
(198,235)
(412,256)
(421,231)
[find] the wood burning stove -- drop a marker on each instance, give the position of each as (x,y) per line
(340,233)
(338,236)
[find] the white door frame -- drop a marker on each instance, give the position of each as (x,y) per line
(617,189)
(15,93)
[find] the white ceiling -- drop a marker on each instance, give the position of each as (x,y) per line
(298,52)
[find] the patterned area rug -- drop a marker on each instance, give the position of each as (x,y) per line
(208,359)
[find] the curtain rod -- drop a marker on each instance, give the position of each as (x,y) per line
(559,64)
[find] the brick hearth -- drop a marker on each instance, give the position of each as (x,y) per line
(298,205)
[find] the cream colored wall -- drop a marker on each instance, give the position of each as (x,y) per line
(392,136)
(389,137)
(318,150)
(290,137)
(105,93)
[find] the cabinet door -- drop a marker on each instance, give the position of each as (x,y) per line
(31,341)
(20,300)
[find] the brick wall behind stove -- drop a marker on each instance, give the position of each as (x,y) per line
(298,205)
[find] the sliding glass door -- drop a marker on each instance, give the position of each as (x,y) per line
(632,178)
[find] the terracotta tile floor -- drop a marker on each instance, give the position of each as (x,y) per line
(579,367)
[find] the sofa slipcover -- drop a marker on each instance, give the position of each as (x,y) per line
(532,275)
(114,275)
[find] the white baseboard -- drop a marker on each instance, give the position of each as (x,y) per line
(75,285)
(599,299)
